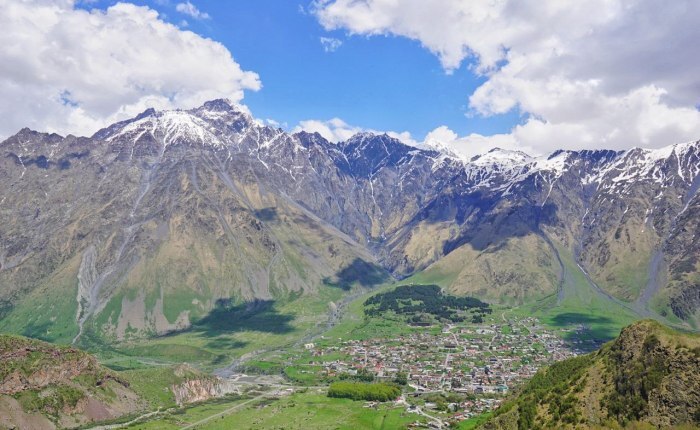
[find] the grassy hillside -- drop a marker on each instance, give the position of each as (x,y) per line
(515,271)
(228,333)
(647,378)
(43,386)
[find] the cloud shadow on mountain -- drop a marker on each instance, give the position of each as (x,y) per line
(491,231)
(586,332)
(358,272)
(38,331)
(256,315)
(228,317)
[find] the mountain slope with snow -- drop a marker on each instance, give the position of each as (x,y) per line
(144,227)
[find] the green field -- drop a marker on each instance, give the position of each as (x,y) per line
(472,423)
(48,313)
(192,414)
(304,411)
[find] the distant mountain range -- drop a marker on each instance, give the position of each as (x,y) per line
(144,227)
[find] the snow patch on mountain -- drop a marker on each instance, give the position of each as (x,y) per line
(223,124)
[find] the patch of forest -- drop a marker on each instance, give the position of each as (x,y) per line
(421,303)
(378,392)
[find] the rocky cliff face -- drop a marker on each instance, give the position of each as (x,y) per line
(648,375)
(144,227)
(201,389)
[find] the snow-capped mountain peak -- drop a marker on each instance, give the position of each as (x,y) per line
(167,127)
(444,149)
(501,157)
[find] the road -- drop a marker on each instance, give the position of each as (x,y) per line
(247,402)
(226,412)
(134,421)
(436,420)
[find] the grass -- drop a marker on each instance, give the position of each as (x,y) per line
(473,422)
(376,328)
(47,313)
(307,411)
(176,352)
(262,366)
(602,318)
(519,272)
(356,326)
(215,349)
(304,375)
(433,275)
(178,301)
(582,305)
(111,310)
(216,343)
(39,357)
(153,385)
(630,277)
(51,399)
(191,414)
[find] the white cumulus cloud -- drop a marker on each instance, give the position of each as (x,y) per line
(188,8)
(443,138)
(593,74)
(68,70)
(336,130)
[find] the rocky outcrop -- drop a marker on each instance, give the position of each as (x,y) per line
(62,367)
(201,389)
(51,386)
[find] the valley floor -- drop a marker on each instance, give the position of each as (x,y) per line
(454,372)
(278,369)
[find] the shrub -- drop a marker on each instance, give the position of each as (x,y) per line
(380,392)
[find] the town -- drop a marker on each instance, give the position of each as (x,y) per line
(478,362)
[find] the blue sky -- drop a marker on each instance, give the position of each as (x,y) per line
(380,83)
(471,75)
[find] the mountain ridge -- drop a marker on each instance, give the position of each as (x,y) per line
(223,200)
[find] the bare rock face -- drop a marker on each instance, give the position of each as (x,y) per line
(201,389)
(195,386)
(144,227)
(13,416)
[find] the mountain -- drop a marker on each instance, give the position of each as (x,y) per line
(154,223)
(44,386)
(647,375)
